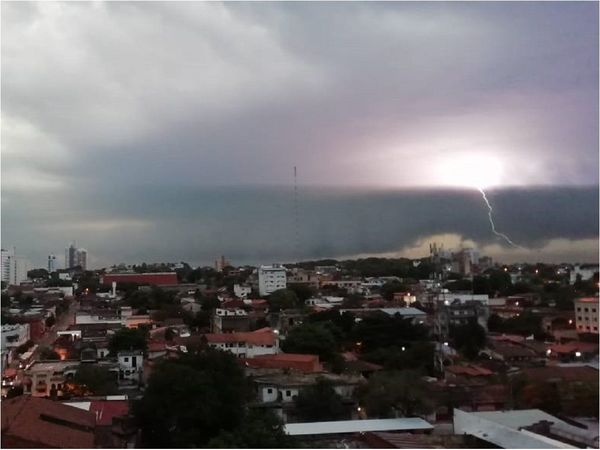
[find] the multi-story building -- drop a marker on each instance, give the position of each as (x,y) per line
(75,257)
(51,263)
(271,278)
(246,345)
(14,267)
(586,315)
(455,313)
(81,258)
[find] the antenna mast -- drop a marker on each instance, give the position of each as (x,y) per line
(296,230)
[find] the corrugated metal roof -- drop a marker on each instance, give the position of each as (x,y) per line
(357,426)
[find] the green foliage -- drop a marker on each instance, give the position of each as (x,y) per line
(283,299)
(127,339)
(459,285)
(303,292)
(393,393)
(95,380)
(190,400)
(259,429)
(525,324)
(38,273)
(416,355)
(469,339)
(388,289)
(320,402)
(312,338)
(153,298)
(381,330)
(50,321)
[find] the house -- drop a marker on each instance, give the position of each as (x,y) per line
(466,372)
(131,365)
(47,378)
(289,361)
(246,345)
(573,351)
(29,422)
(350,427)
(230,320)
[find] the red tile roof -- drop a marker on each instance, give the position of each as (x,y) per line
(574,346)
(36,422)
(105,410)
(303,363)
(264,336)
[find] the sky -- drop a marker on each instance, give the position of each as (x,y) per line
(151,131)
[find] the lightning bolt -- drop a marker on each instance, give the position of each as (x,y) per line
(490,211)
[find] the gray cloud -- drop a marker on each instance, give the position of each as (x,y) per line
(117,116)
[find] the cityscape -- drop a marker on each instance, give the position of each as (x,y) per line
(300,225)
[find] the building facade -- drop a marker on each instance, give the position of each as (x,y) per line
(271,278)
(586,315)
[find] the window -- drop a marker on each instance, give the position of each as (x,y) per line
(578,309)
(585,310)
(595,328)
(578,317)
(288,393)
(269,391)
(126,359)
(593,309)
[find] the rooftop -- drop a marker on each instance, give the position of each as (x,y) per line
(357,426)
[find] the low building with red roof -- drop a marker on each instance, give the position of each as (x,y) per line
(246,345)
(292,361)
(29,422)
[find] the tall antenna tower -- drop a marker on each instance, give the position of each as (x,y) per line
(296,229)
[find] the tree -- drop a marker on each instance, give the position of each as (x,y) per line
(312,338)
(47,353)
(91,379)
(196,396)
(50,321)
(469,338)
(260,428)
(320,402)
(388,289)
(282,299)
(303,292)
(381,330)
(396,393)
(38,273)
(127,339)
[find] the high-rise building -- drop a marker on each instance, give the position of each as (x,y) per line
(70,258)
(75,257)
(14,267)
(271,279)
(81,258)
(51,263)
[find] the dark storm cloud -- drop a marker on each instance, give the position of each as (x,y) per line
(252,225)
(119,115)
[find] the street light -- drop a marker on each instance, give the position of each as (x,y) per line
(578,354)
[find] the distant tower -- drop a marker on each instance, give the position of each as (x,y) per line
(51,263)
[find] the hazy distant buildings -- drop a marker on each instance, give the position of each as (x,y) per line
(14,267)
(51,263)
(75,257)
(271,278)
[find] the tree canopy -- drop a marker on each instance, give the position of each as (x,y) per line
(283,299)
(193,399)
(127,339)
(313,338)
(320,402)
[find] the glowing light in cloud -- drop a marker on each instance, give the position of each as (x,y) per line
(470,171)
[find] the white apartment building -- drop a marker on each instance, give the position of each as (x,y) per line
(14,335)
(271,278)
(586,315)
(14,267)
(246,345)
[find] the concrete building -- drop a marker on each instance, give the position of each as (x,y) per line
(271,278)
(14,267)
(14,335)
(75,257)
(241,291)
(51,263)
(586,315)
(131,365)
(246,345)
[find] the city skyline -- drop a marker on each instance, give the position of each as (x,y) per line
(123,147)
